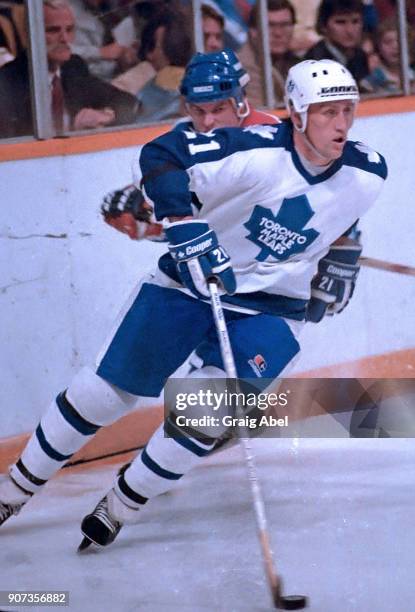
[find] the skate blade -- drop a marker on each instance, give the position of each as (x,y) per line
(86,543)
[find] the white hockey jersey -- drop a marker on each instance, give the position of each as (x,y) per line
(274,218)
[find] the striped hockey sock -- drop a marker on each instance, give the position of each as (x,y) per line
(61,432)
(166,458)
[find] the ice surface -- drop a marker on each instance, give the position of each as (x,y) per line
(340,514)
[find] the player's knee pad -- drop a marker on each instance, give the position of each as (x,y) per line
(197,404)
(97,400)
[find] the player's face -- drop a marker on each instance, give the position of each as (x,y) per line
(211,115)
(344,30)
(59,33)
(212,35)
(328,124)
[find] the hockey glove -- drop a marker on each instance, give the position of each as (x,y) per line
(127,211)
(198,256)
(333,286)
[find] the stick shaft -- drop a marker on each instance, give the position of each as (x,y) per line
(259,506)
(387,266)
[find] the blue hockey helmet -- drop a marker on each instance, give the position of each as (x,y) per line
(214,76)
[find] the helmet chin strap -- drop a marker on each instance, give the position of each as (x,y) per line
(241,108)
(313,148)
(302,130)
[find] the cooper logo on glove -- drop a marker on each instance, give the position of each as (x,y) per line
(199,257)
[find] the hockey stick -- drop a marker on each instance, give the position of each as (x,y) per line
(292,602)
(380,264)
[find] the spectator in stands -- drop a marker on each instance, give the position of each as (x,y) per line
(386,77)
(13,37)
(340,22)
(6,40)
(104,58)
(389,8)
(213,25)
(13,26)
(386,9)
(153,36)
(368,46)
(167,44)
(244,8)
(305,35)
(281,20)
(370,16)
(79,100)
(235,14)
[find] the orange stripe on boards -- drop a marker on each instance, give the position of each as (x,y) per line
(135,429)
(131,431)
(386,106)
(80,144)
(10,449)
(127,138)
(398,364)
(371,377)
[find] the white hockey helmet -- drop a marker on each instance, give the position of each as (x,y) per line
(312,81)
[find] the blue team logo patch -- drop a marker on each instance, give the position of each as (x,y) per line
(282,236)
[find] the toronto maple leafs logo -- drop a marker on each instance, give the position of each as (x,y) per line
(372,156)
(283,235)
(265,131)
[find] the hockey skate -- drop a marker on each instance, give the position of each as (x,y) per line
(12,499)
(99,527)
(223,442)
(102,526)
(7,510)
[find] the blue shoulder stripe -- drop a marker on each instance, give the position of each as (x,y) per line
(191,148)
(182,125)
(359,155)
(178,151)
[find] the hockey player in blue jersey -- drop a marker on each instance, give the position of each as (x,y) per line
(276,200)
(213,90)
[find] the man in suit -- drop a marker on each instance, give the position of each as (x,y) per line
(79,100)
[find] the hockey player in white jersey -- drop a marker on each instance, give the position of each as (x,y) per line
(275,200)
(214,93)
